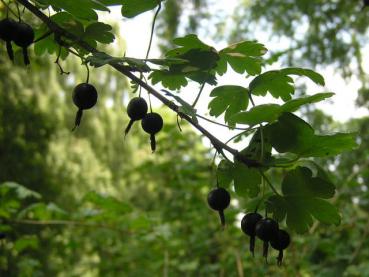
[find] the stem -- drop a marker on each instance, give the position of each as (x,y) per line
(198,95)
(122,69)
(152,29)
(88,73)
(19,14)
(43,36)
(220,124)
(239,134)
(262,143)
(269,183)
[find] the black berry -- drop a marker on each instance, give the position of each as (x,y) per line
(266,230)
(23,37)
(84,97)
(280,242)
(248,225)
(2,236)
(152,123)
(7,27)
(136,110)
(219,199)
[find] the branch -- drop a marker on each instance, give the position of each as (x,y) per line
(55,28)
(66,223)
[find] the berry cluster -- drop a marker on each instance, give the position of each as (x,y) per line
(266,229)
(20,33)
(151,122)
(252,224)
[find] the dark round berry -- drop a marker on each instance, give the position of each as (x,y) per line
(152,123)
(281,242)
(266,229)
(137,108)
(248,223)
(219,199)
(23,37)
(84,96)
(23,34)
(2,236)
(7,27)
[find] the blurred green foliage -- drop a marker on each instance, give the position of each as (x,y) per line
(89,203)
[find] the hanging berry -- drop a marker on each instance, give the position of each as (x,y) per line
(248,225)
(84,97)
(152,123)
(7,31)
(266,229)
(280,242)
(23,37)
(136,110)
(219,199)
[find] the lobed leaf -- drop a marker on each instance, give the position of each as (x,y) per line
(271,112)
(302,199)
(242,57)
(292,134)
(229,99)
(132,8)
(279,84)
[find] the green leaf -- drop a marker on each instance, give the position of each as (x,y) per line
(188,43)
(107,203)
(100,32)
(242,56)
(21,191)
(170,80)
(257,115)
(279,84)
(271,112)
(258,149)
(302,199)
(225,173)
(292,134)
(228,99)
(26,242)
(197,59)
(311,74)
(85,9)
(246,180)
(42,211)
(132,8)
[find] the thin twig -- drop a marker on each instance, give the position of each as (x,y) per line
(269,183)
(152,30)
(43,37)
(198,95)
(220,124)
(58,63)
